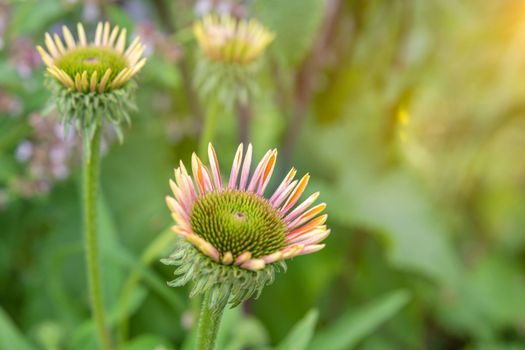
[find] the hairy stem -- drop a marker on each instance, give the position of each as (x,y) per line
(91,170)
(209,322)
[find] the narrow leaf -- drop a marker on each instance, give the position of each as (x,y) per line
(301,334)
(354,325)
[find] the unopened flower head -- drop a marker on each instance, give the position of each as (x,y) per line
(235,237)
(226,39)
(91,82)
(102,65)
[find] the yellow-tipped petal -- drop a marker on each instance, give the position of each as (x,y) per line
(243,258)
(81,35)
(48,61)
(78,82)
(68,37)
(105,34)
(131,47)
(139,65)
(94,81)
(121,42)
(98,34)
(59,44)
(104,81)
(50,44)
(254,264)
(85,82)
(113,36)
(227,259)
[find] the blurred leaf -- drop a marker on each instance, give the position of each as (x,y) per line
(295,23)
(301,334)
(354,326)
(8,74)
(480,306)
(240,331)
(162,72)
(10,336)
(26,20)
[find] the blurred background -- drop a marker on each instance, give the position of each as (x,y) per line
(410,116)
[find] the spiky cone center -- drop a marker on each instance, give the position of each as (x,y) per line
(235,222)
(229,40)
(97,67)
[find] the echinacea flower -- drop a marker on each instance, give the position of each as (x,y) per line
(102,65)
(230,49)
(234,237)
(92,81)
(226,39)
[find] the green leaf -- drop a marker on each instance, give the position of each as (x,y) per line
(10,336)
(26,20)
(301,334)
(240,331)
(354,326)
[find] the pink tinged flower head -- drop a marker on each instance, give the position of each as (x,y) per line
(238,221)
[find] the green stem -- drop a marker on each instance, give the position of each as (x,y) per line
(209,322)
(208,131)
(91,170)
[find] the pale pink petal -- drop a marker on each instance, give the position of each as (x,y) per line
(296,194)
(254,264)
(206,177)
(277,202)
(188,180)
(311,213)
(312,225)
(268,259)
(236,166)
(181,197)
(214,165)
(246,168)
(311,249)
(243,258)
(258,171)
(267,173)
(312,237)
(301,207)
(176,208)
(292,250)
(205,247)
(289,177)
(195,168)
(227,259)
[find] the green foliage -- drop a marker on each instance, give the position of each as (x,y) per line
(354,326)
(10,337)
(299,337)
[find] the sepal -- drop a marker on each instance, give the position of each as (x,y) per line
(224,281)
(86,110)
